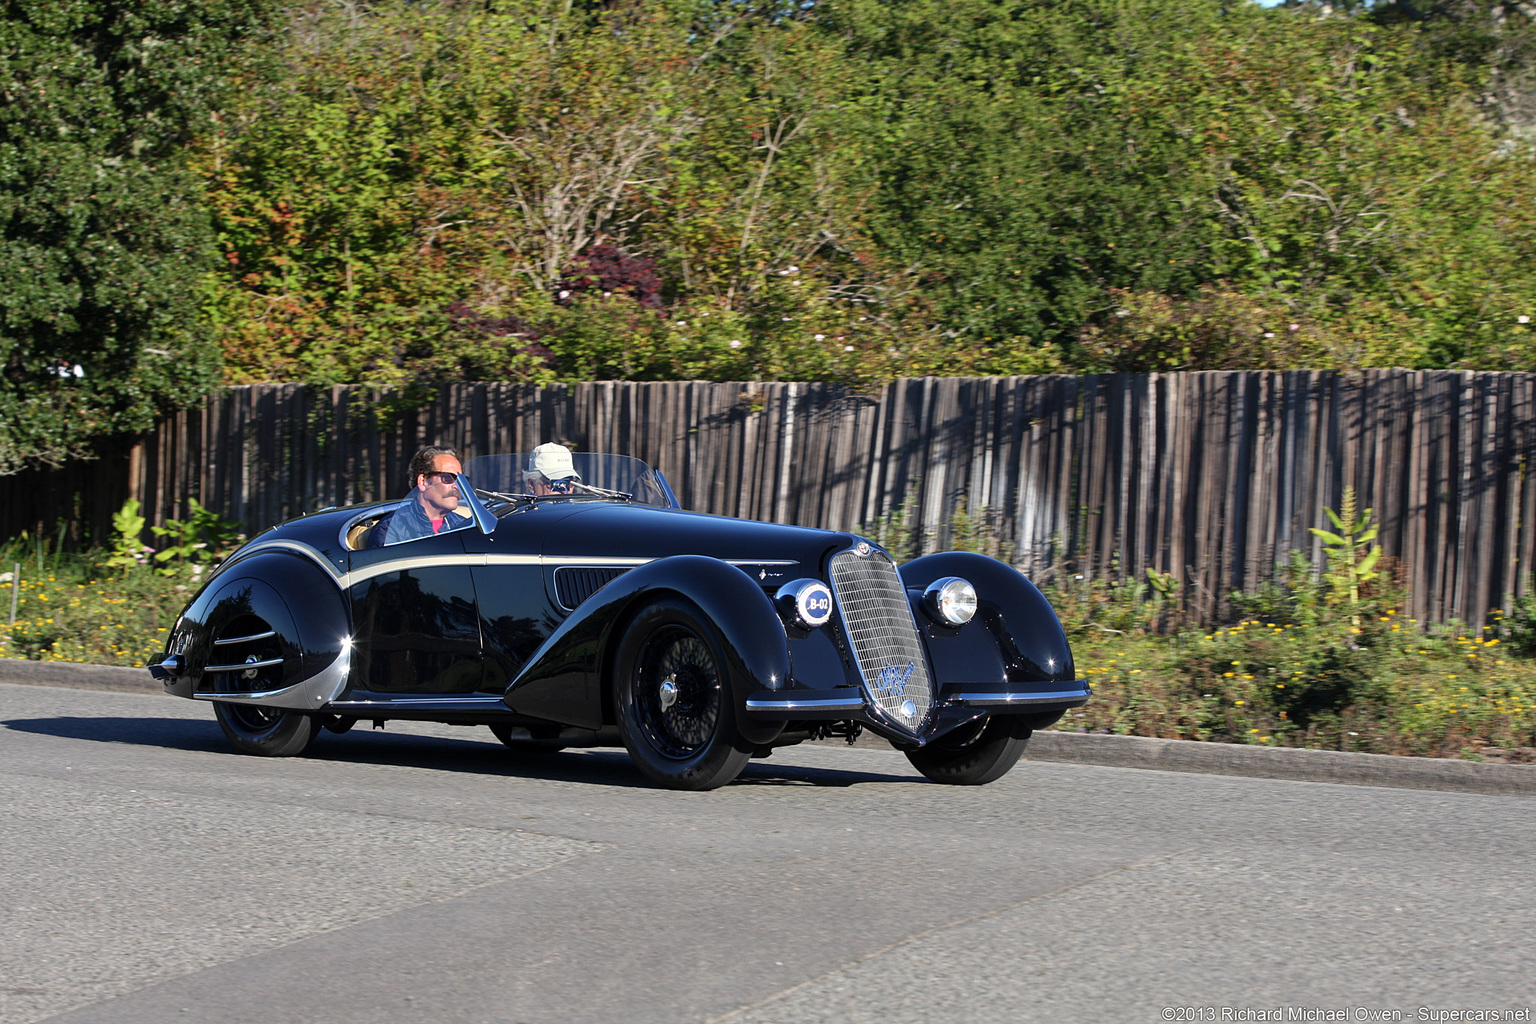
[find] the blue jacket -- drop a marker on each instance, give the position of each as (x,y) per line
(409,522)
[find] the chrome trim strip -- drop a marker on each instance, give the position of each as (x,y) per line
(248,696)
(819,703)
(316,691)
(242,666)
(1022,698)
(582,561)
(245,639)
(422,704)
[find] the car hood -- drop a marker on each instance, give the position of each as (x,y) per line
(637,531)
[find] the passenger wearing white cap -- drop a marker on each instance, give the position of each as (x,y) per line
(551,470)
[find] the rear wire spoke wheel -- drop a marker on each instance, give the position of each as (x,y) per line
(255,728)
(975,754)
(673,702)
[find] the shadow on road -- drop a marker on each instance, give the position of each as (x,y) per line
(602,767)
(174,733)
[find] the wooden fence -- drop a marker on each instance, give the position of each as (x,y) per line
(1214,477)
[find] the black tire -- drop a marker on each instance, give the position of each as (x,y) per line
(533,747)
(673,701)
(266,732)
(253,728)
(974,754)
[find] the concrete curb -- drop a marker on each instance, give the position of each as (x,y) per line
(1331,766)
(1335,766)
(77,676)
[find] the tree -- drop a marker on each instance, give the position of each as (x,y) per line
(102,234)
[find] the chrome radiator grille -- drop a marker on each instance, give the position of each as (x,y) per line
(873,605)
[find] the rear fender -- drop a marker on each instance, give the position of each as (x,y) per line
(565,680)
(297,600)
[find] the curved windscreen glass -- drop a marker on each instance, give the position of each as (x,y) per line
(597,476)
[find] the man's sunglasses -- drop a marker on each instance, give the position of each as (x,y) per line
(448,478)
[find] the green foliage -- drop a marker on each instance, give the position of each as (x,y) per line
(75,612)
(1350,555)
(102,233)
(864,189)
(405,193)
(1517,626)
(894,530)
(128,547)
(203,537)
(1400,690)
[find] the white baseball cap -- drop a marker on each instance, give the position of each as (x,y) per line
(553,461)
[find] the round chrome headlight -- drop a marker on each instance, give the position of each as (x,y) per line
(950,600)
(806,603)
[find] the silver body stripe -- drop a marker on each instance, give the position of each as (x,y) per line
(345,580)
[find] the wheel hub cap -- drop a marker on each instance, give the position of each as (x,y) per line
(668,692)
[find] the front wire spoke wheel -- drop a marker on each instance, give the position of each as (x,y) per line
(672,699)
(680,688)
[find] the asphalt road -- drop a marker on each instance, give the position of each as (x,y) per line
(426,874)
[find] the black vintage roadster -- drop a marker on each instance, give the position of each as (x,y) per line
(608,616)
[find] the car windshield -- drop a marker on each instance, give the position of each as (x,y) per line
(602,477)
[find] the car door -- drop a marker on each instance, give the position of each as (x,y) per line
(414,611)
(516,611)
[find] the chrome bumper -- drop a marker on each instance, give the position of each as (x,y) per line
(848,701)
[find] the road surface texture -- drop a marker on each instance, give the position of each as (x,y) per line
(425,874)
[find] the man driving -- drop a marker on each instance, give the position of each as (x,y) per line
(432,507)
(551,470)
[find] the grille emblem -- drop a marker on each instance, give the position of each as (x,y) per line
(908,709)
(863,549)
(892,682)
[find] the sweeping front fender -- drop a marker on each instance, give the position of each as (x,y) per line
(566,678)
(1009,608)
